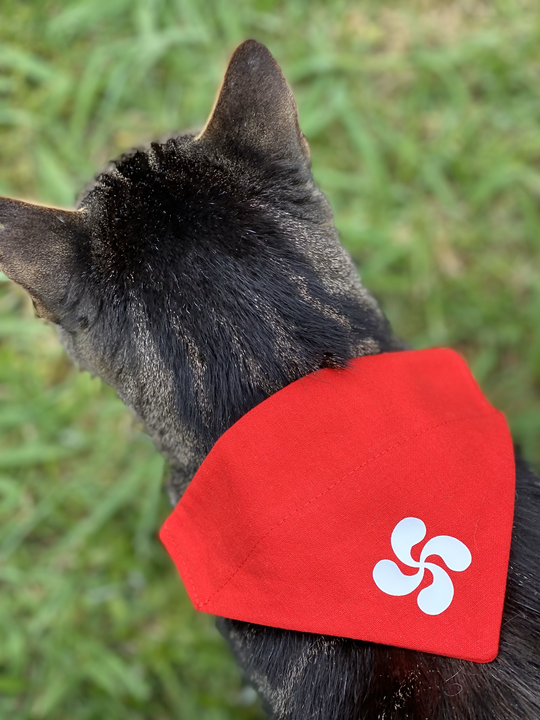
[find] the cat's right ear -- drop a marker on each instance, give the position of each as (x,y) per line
(37,251)
(255,112)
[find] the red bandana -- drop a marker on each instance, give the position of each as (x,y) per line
(374,503)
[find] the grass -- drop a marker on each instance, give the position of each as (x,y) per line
(423,120)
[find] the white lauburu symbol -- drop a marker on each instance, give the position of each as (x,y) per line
(435,598)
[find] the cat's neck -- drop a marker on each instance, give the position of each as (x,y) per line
(189,450)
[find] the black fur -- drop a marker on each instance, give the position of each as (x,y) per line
(225,293)
(198,277)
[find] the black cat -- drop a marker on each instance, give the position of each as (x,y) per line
(201,275)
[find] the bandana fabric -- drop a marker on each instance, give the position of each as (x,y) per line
(374,502)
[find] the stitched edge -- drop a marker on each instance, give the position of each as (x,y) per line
(199,606)
(172,540)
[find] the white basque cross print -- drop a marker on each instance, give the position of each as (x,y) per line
(437,597)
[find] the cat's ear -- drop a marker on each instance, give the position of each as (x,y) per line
(255,111)
(37,251)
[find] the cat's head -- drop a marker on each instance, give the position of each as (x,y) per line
(201,274)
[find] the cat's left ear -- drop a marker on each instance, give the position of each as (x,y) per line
(255,112)
(37,251)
